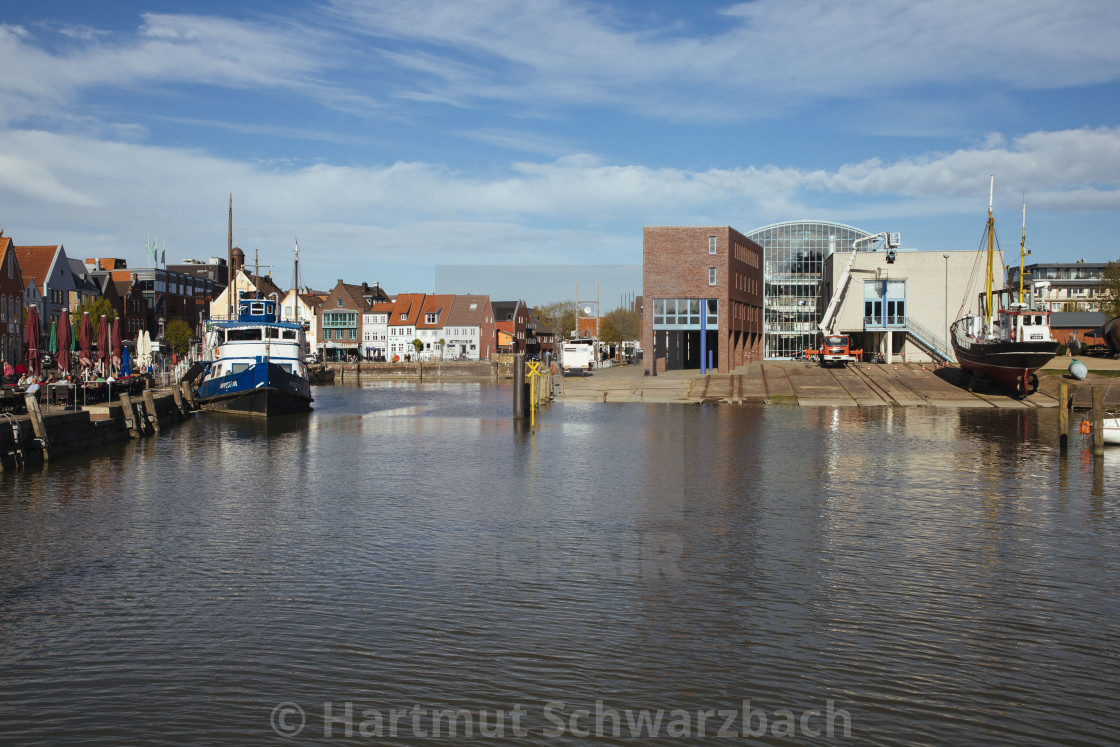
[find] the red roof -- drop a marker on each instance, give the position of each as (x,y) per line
(440,306)
(35,262)
(408,304)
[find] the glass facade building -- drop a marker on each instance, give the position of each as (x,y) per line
(793,276)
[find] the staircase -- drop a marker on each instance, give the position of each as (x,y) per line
(928,341)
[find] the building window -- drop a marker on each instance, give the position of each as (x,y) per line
(338,302)
(711,245)
(711,276)
(431,318)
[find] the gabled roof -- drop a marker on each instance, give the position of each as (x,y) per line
(383,307)
(505,311)
(82,278)
(408,304)
(35,262)
(311,300)
(439,305)
(464,316)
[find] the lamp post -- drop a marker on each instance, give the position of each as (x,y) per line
(946,256)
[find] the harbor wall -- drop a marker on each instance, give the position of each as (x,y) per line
(43,435)
(367,371)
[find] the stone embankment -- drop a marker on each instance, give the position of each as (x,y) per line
(46,433)
(367,371)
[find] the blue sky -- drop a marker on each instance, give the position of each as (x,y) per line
(394,137)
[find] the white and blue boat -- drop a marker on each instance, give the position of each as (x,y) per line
(256,364)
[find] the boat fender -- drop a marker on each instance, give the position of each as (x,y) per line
(1086,428)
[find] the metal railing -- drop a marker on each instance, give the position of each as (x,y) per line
(930,341)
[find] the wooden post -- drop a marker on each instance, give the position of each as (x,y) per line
(1063,415)
(37,423)
(1098,421)
(519,386)
(135,429)
(153,416)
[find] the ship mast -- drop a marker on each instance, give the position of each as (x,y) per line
(229,263)
(295,282)
(1022,248)
(991,249)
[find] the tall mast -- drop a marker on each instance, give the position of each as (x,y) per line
(991,249)
(229,262)
(295,283)
(1022,248)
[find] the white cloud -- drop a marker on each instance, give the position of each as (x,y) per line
(766,53)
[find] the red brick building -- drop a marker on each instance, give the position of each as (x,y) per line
(698,278)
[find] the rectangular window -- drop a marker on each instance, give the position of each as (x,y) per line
(711,245)
(711,276)
(431,318)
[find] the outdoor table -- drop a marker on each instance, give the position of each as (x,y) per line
(11,399)
(58,392)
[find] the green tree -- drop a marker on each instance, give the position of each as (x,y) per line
(627,323)
(609,333)
(419,345)
(96,307)
(560,317)
(178,335)
(1110,290)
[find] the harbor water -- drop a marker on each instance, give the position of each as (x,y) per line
(407,564)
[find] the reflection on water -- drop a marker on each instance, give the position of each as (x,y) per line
(939,575)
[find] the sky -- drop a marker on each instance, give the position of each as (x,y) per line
(391,138)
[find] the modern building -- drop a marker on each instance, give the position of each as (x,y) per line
(1070,286)
(702,291)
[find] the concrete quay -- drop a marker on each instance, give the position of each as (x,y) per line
(808,384)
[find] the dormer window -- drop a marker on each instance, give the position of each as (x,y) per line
(404,316)
(431,318)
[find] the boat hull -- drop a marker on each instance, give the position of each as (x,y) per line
(1110,431)
(263,389)
(1009,364)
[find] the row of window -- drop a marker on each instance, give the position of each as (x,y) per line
(340,334)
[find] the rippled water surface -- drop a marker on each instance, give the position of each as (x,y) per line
(916,576)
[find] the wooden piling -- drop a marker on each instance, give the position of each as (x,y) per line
(37,424)
(1098,421)
(150,402)
(1063,415)
(520,395)
(135,429)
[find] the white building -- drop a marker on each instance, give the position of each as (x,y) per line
(375,330)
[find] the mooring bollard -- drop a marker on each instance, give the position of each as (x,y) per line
(37,423)
(153,417)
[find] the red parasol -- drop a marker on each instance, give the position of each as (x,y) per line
(64,341)
(117,343)
(85,340)
(32,335)
(104,354)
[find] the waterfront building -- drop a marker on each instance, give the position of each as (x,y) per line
(375,330)
(430,324)
(900,303)
(402,326)
(702,290)
(1062,286)
(48,268)
(469,329)
(12,287)
(304,308)
(340,322)
(512,318)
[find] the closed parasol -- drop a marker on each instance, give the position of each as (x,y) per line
(104,354)
(64,341)
(126,365)
(117,343)
(85,342)
(32,335)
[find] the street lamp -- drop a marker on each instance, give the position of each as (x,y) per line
(946,256)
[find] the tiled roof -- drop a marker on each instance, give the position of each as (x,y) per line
(408,304)
(383,307)
(463,315)
(35,262)
(439,305)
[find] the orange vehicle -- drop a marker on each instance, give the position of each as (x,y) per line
(835,351)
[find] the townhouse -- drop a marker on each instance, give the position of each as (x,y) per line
(402,326)
(11,301)
(469,329)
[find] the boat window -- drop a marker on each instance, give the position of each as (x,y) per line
(272,333)
(237,368)
(289,334)
(245,333)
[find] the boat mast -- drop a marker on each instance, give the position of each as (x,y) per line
(991,249)
(229,262)
(295,282)
(1022,248)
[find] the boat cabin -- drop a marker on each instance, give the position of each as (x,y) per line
(256,310)
(1023,324)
